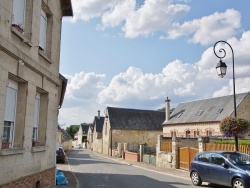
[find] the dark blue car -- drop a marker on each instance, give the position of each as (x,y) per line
(225,168)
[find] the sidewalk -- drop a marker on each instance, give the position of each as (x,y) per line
(66,169)
(73,182)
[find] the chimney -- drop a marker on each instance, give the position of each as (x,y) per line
(167,109)
(98,114)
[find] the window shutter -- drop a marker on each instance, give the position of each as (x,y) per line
(11,100)
(37,109)
(43,28)
(18,12)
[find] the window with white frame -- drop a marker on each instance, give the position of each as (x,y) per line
(18,13)
(10,112)
(43,30)
(36,117)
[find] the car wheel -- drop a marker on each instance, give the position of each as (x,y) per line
(238,183)
(195,178)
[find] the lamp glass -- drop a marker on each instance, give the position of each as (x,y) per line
(221,69)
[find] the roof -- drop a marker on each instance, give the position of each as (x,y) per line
(65,135)
(66,8)
(98,123)
(207,110)
(135,119)
(85,128)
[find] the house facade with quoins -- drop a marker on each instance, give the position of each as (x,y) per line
(31,90)
(203,117)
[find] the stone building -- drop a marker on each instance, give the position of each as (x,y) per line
(202,117)
(97,143)
(130,126)
(31,90)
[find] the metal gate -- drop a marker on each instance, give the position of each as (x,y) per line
(186,156)
(151,159)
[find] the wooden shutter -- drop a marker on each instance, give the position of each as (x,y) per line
(43,28)
(18,14)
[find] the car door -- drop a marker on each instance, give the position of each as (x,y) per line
(203,165)
(219,174)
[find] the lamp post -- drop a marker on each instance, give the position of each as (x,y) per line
(221,70)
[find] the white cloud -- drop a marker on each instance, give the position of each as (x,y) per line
(84,85)
(208,28)
(152,16)
(158,16)
(88,9)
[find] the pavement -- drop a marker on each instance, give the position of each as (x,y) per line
(73,181)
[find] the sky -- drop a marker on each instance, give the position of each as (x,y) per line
(136,53)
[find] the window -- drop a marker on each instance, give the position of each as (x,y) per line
(173,134)
(196,133)
(45,36)
(199,113)
(43,28)
(203,158)
(188,134)
(36,117)
(22,12)
(18,14)
(217,159)
(209,133)
(10,112)
(219,111)
(40,116)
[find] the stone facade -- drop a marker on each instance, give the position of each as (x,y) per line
(35,72)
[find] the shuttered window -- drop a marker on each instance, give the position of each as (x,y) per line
(18,14)
(36,117)
(43,28)
(10,111)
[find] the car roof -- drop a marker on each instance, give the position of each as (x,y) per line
(217,152)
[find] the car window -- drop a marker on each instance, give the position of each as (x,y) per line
(217,159)
(203,158)
(238,158)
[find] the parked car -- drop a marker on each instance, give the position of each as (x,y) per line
(78,146)
(225,168)
(60,155)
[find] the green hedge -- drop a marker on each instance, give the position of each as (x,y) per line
(240,142)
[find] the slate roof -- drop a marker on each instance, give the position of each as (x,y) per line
(85,129)
(135,119)
(98,122)
(207,110)
(65,135)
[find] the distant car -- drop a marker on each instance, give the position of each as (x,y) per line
(225,168)
(78,146)
(60,155)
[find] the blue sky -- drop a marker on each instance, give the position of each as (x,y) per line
(133,54)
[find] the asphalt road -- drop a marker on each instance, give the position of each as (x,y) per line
(95,171)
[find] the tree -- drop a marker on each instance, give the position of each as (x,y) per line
(231,126)
(72,130)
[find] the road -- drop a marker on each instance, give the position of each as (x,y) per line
(95,171)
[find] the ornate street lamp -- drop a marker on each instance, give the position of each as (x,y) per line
(221,70)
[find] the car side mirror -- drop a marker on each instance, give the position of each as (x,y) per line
(225,165)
